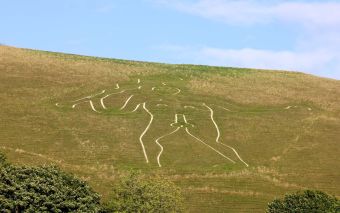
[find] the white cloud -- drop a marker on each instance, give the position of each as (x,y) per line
(313,14)
(317,47)
(267,59)
(322,63)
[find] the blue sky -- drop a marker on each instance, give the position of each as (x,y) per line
(289,35)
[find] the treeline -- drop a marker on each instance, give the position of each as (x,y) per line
(48,189)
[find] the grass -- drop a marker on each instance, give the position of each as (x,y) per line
(287,149)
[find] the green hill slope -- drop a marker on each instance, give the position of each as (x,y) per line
(233,139)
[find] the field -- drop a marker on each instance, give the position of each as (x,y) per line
(233,139)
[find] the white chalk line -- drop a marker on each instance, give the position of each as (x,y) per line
(219,134)
(195,108)
(102,102)
(176,120)
(212,118)
(126,102)
(234,150)
(178,91)
(288,107)
(185,120)
(159,105)
(92,106)
(225,108)
(136,108)
(186,129)
(74,105)
(106,96)
(143,133)
(157,141)
(90,96)
(151,120)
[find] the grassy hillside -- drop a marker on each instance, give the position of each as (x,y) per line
(233,139)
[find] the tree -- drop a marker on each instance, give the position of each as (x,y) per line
(44,189)
(305,202)
(137,194)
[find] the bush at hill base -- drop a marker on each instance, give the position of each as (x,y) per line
(137,194)
(43,189)
(3,160)
(305,202)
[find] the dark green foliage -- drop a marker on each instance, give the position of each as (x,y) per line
(137,194)
(3,159)
(305,202)
(44,189)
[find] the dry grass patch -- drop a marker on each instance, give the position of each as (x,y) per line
(271,88)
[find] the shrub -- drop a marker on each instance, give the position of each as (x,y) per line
(137,194)
(44,189)
(305,202)
(3,159)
